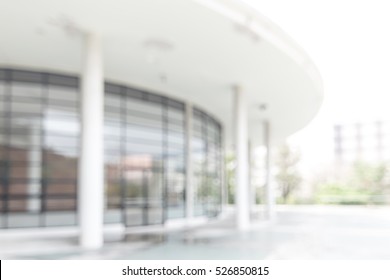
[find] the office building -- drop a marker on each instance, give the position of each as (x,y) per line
(120,112)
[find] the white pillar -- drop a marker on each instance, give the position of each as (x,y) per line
(252,186)
(35,168)
(189,165)
(269,193)
(91,165)
(242,163)
(224,191)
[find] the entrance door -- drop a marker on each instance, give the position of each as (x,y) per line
(142,198)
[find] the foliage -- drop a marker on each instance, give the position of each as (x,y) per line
(336,193)
(366,184)
(371,177)
(230,177)
(287,177)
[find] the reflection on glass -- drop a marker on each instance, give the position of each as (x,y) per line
(142,173)
(39,150)
(207,164)
(145,146)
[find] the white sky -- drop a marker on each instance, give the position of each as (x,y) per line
(349,41)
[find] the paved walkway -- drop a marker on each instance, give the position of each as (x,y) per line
(299,232)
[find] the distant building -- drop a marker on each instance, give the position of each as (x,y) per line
(362,142)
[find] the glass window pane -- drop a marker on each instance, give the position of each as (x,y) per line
(63,93)
(2,218)
(154,214)
(141,106)
(22,220)
(26,90)
(17,205)
(62,218)
(60,204)
(65,188)
(133,216)
(113,216)
(2,89)
(26,107)
(62,126)
(20,187)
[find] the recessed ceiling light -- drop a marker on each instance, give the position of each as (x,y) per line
(163,78)
(156,44)
(263,107)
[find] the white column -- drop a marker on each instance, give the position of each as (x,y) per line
(224,191)
(252,187)
(242,170)
(189,165)
(91,165)
(269,193)
(35,167)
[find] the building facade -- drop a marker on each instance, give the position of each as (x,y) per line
(144,153)
(362,141)
(123,115)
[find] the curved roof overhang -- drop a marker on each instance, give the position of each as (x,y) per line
(193,50)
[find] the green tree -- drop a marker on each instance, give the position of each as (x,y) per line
(230,163)
(287,177)
(363,183)
(371,178)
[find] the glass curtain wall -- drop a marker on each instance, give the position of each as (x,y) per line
(144,136)
(207,154)
(145,157)
(39,132)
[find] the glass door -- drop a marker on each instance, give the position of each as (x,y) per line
(142,198)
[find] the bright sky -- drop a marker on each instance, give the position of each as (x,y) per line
(349,41)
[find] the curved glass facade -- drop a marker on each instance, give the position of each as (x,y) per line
(145,156)
(145,153)
(207,141)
